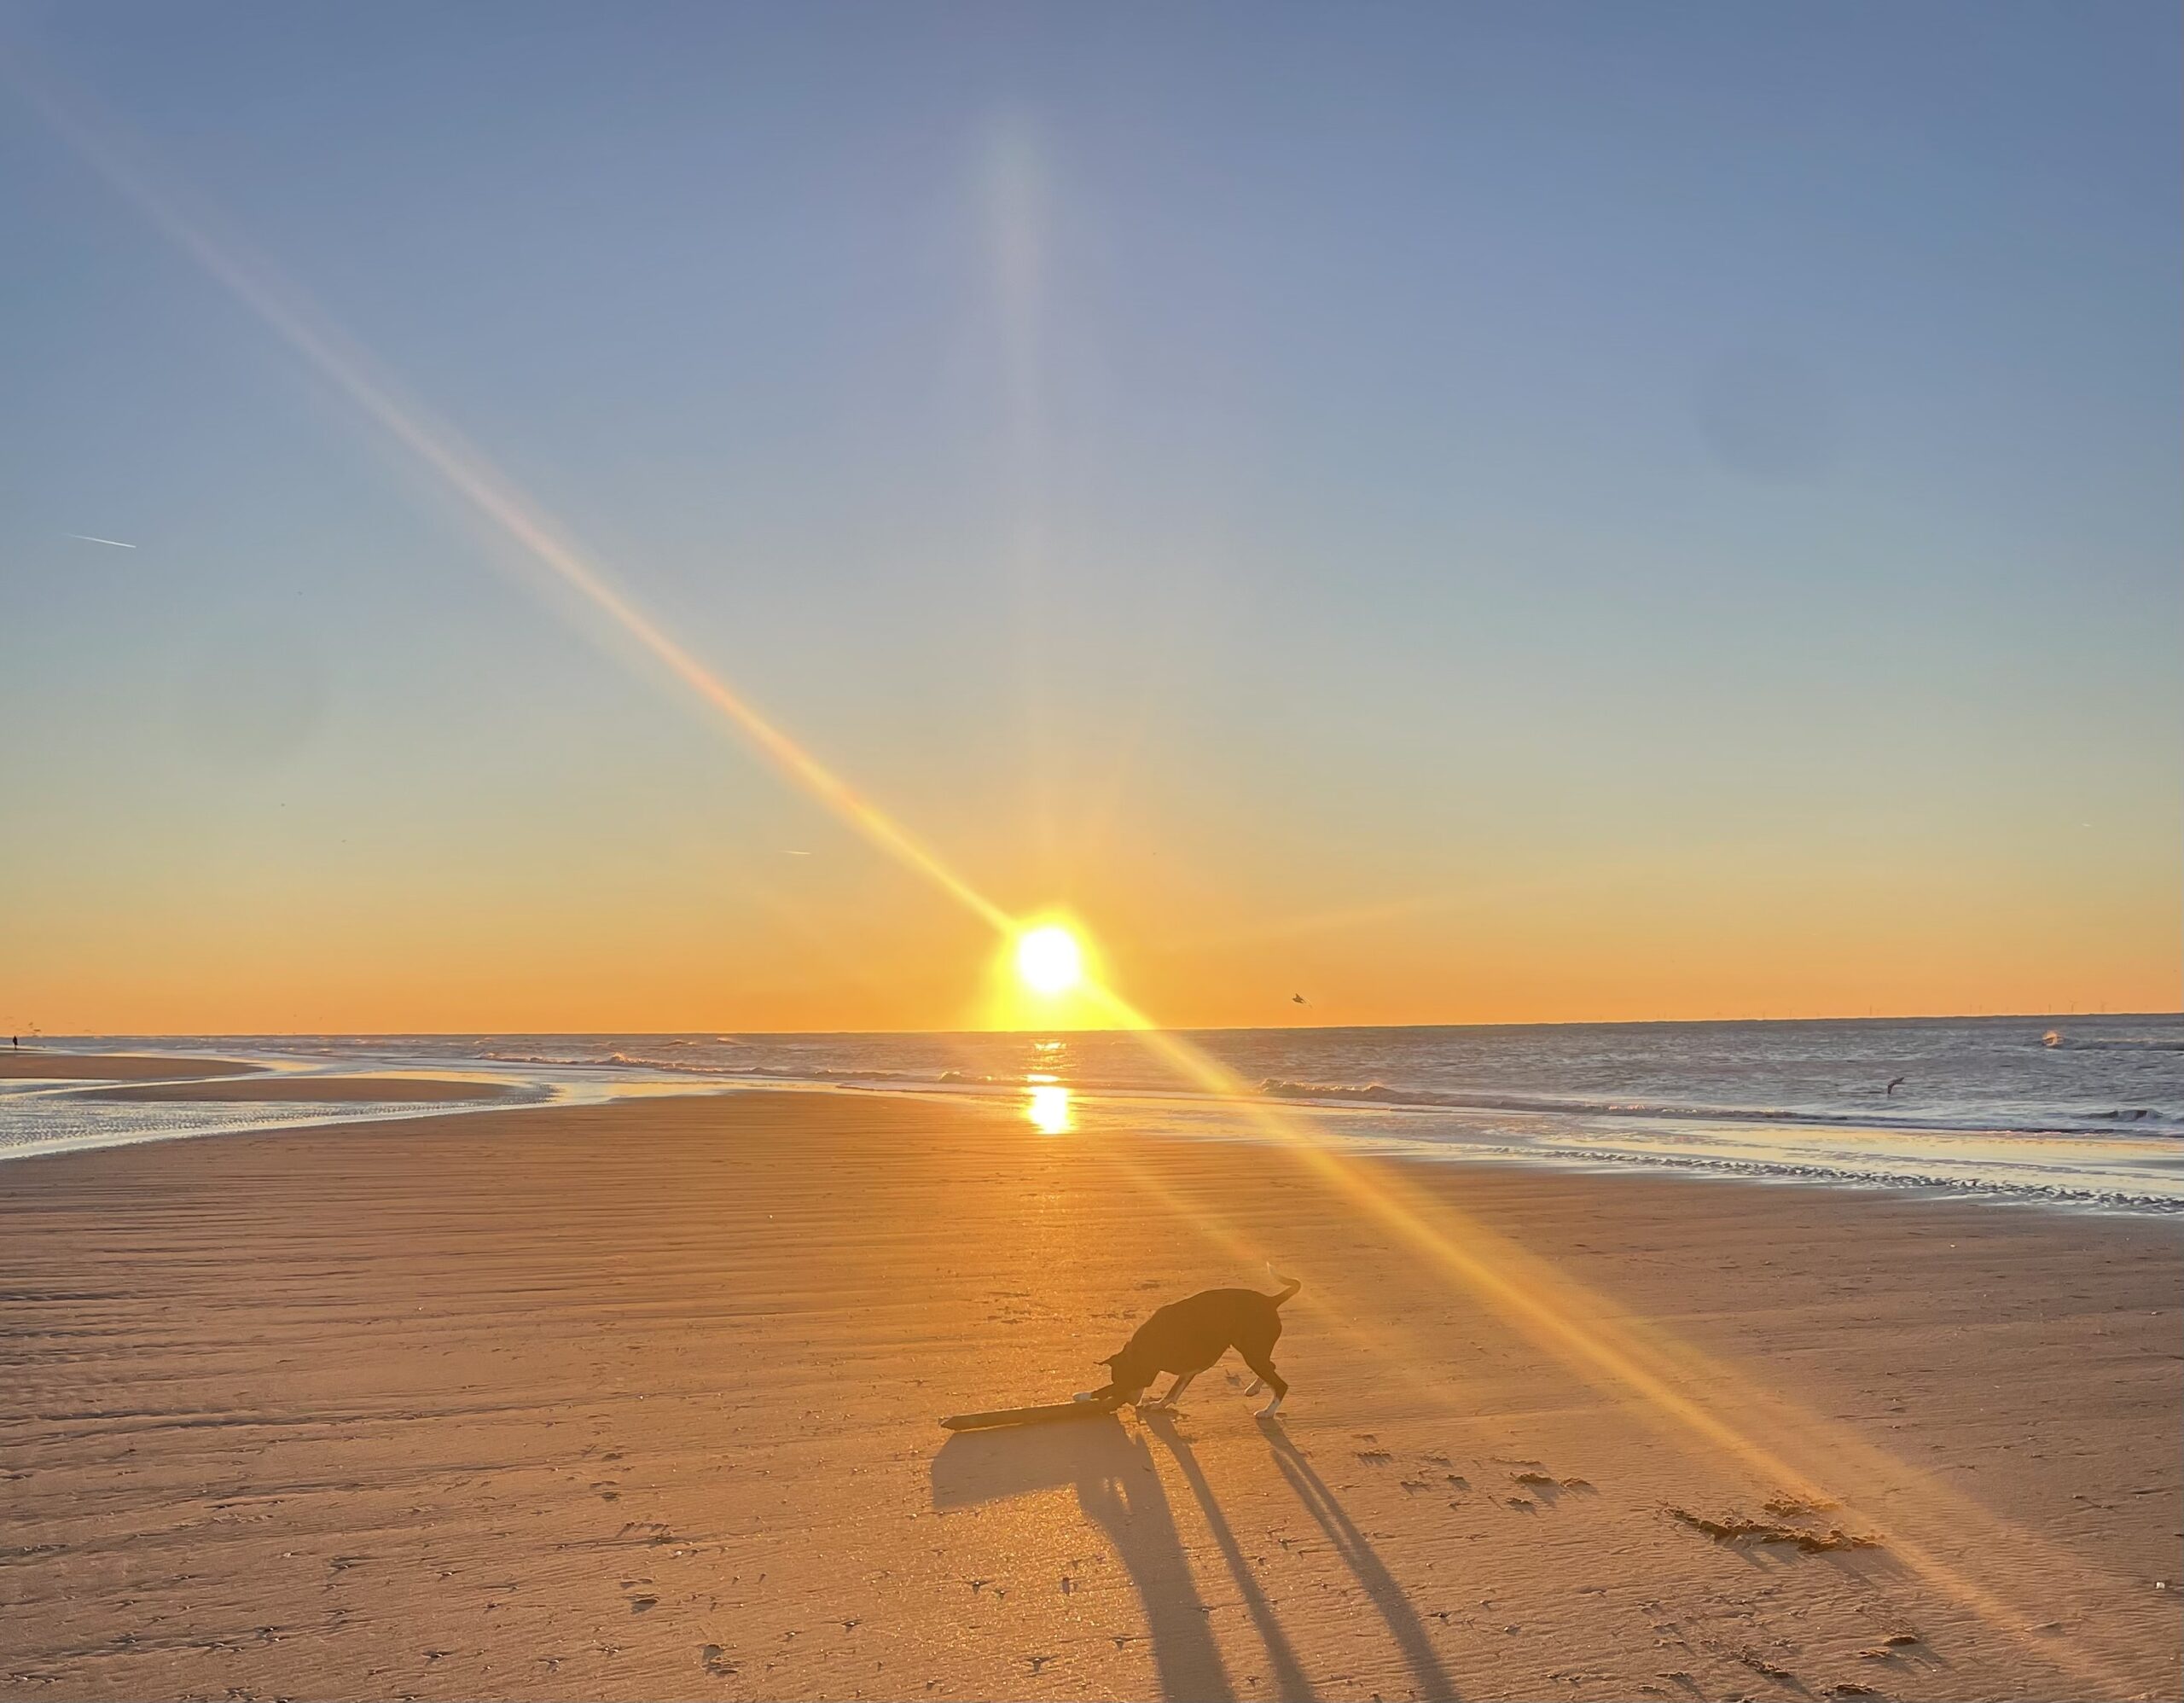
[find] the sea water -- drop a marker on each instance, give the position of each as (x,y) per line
(2069,1109)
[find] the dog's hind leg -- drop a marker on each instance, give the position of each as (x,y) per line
(1258,1384)
(1262,1364)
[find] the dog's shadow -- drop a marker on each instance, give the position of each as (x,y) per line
(1289,1680)
(1118,1488)
(1389,1599)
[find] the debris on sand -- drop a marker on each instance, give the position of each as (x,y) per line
(1796,1507)
(1548,1481)
(1737,1529)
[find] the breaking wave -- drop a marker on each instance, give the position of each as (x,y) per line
(623,1061)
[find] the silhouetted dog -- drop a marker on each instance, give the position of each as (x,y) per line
(1186,1337)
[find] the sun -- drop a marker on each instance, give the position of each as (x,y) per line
(1049,960)
(1047,972)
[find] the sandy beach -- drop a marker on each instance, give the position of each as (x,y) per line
(639,1401)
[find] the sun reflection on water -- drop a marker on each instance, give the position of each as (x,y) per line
(1048,1109)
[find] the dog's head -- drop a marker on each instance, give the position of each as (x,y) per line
(1131,1374)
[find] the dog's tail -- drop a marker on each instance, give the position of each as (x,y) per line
(1290,1285)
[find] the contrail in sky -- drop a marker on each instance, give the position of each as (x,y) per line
(88,539)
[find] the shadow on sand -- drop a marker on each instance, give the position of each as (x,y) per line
(1118,1488)
(1289,1681)
(1379,1585)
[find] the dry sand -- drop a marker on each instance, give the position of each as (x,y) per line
(639,1401)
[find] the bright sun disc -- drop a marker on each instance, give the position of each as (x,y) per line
(1049,960)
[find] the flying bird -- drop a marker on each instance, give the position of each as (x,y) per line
(86,537)
(1897,1084)
(1298,999)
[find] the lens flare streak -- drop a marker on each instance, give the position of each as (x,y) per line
(466,471)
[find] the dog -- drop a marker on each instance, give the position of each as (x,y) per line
(1186,1337)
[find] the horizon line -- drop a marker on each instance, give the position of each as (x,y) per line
(1205,1028)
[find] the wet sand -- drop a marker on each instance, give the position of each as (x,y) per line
(20,1064)
(322,1090)
(639,1401)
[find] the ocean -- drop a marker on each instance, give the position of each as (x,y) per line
(2070,1110)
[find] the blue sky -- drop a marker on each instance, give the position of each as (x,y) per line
(1211,467)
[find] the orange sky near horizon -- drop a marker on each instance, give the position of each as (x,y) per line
(840,940)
